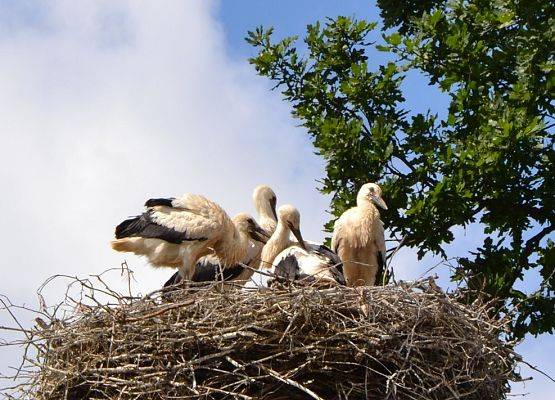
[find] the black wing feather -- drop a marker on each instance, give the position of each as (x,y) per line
(288,267)
(143,226)
(206,271)
(334,260)
(337,273)
(335,263)
(381,268)
(328,253)
(160,202)
(174,280)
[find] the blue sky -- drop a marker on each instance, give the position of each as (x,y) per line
(291,17)
(109,102)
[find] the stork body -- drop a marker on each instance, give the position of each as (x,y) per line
(210,269)
(265,201)
(358,238)
(313,264)
(176,232)
(295,260)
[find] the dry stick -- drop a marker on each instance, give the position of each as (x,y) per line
(537,370)
(161,311)
(290,382)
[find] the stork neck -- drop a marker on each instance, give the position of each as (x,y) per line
(364,202)
(277,243)
(269,224)
(266,217)
(233,247)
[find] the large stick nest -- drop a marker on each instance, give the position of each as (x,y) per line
(409,341)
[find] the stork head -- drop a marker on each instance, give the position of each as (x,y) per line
(265,200)
(247,225)
(291,218)
(373,193)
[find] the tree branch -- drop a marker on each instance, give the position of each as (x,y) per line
(534,241)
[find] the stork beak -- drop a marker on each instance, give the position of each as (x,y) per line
(273,203)
(259,234)
(297,234)
(377,200)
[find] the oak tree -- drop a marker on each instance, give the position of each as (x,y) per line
(487,160)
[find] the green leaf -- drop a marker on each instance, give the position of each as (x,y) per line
(394,39)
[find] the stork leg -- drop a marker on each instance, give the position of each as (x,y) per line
(187,268)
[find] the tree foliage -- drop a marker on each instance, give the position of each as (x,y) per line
(490,160)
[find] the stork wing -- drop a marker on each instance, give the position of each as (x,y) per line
(190,217)
(379,240)
(325,251)
(174,280)
(342,228)
(209,271)
(286,265)
(379,237)
(335,239)
(146,226)
(194,216)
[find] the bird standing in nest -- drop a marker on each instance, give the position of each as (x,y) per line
(176,232)
(358,238)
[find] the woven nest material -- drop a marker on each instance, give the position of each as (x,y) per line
(409,341)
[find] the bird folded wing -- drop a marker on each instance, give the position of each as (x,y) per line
(379,237)
(196,227)
(144,226)
(379,240)
(192,214)
(349,226)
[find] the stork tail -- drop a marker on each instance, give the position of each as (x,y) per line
(124,244)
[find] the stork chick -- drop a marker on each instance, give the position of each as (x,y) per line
(358,238)
(295,261)
(265,201)
(289,221)
(209,268)
(176,232)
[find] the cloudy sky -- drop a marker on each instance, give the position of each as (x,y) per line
(104,104)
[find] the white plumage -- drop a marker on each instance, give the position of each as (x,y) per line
(295,260)
(316,264)
(358,238)
(209,268)
(176,232)
(265,201)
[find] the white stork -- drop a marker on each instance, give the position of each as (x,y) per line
(298,261)
(358,238)
(209,268)
(176,232)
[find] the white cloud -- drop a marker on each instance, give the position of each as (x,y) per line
(105,104)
